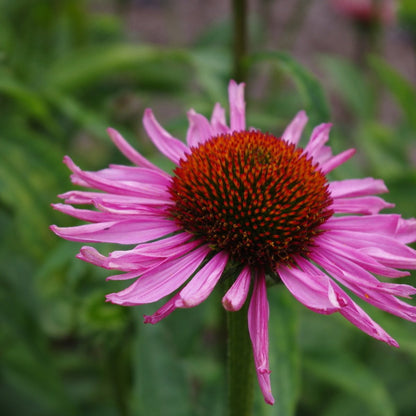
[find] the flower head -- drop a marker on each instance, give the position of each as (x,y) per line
(367,11)
(249,199)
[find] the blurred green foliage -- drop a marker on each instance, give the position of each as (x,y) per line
(66,74)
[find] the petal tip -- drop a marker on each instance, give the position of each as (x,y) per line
(149,319)
(227,304)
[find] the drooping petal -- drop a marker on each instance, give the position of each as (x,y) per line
(315,290)
(158,283)
(203,283)
(196,291)
(164,311)
(367,287)
(237,106)
(361,320)
(349,309)
(236,295)
(168,145)
(258,322)
(294,130)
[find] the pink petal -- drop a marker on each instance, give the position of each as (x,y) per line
(141,258)
(349,309)
(136,174)
(406,230)
(203,283)
(122,232)
(91,255)
(311,288)
(319,137)
(168,247)
(236,295)
(130,152)
(385,250)
(258,318)
(100,198)
(384,224)
(126,276)
(196,291)
(169,307)
(337,160)
(367,287)
(86,214)
(123,211)
(218,123)
(294,130)
(368,205)
(199,130)
(357,187)
(98,181)
(160,282)
(329,241)
(237,106)
(361,320)
(168,145)
(136,264)
(324,154)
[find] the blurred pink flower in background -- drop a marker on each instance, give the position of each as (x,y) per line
(247,200)
(367,11)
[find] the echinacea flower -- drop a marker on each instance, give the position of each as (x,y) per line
(253,201)
(367,11)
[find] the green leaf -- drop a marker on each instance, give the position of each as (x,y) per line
(19,191)
(28,367)
(403,91)
(91,121)
(161,384)
(340,369)
(29,101)
(82,67)
(350,83)
(211,67)
(308,85)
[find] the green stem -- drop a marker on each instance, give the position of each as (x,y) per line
(240,364)
(239,8)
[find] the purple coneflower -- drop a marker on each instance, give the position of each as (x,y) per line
(252,201)
(367,11)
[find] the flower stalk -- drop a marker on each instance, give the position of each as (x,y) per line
(239,10)
(240,364)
